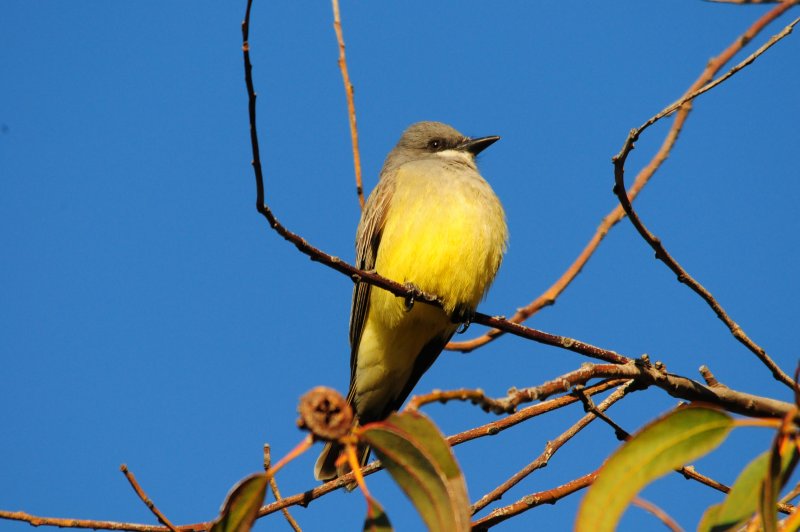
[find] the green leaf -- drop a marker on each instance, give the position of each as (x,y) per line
(710,516)
(419,459)
(377,520)
(782,459)
(664,444)
(242,504)
(744,497)
(741,502)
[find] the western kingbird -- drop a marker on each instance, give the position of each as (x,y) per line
(432,222)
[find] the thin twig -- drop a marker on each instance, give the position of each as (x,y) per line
(351,105)
(145,499)
(654,242)
(488,404)
(690,473)
(744,1)
(549,296)
(550,496)
(285,511)
(273,484)
(709,377)
(304,498)
(589,406)
(794,492)
(550,449)
(69,522)
(496,427)
(476,397)
(713,83)
(658,513)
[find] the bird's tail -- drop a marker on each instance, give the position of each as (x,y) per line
(326,468)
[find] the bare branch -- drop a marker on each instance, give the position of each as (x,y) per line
(496,406)
(496,427)
(702,84)
(661,253)
(351,105)
(550,449)
(711,84)
(69,522)
(550,496)
(145,499)
(273,484)
(675,385)
(744,1)
(658,513)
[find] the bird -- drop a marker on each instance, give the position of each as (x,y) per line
(434,223)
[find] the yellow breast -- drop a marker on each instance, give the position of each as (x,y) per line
(445,232)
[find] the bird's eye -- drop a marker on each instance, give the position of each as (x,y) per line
(435,144)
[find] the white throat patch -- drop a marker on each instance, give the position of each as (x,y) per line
(458,155)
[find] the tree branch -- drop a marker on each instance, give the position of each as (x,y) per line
(655,243)
(656,375)
(658,513)
(145,499)
(702,84)
(551,448)
(273,484)
(351,104)
(550,496)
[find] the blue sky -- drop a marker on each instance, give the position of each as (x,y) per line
(149,315)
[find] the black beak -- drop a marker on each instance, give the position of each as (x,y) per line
(475,146)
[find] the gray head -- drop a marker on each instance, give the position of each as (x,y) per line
(436,140)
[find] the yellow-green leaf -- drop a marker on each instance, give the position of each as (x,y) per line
(377,520)
(419,459)
(664,444)
(782,459)
(743,499)
(710,516)
(241,505)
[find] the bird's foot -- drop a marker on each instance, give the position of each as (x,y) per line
(464,316)
(409,299)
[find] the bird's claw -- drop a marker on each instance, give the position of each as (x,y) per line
(462,315)
(409,299)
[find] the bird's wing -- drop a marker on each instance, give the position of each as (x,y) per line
(422,363)
(368,241)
